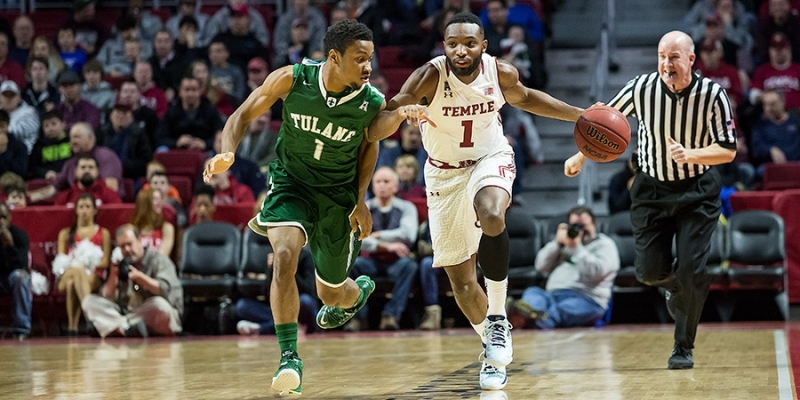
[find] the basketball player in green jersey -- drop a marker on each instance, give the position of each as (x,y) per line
(317,186)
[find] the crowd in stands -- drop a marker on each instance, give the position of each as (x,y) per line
(87,106)
(88,103)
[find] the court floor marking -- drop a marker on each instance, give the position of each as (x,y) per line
(782,362)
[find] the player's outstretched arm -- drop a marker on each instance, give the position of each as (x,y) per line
(406,105)
(276,86)
(532,100)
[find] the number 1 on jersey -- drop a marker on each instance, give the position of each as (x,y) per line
(467,142)
(318,150)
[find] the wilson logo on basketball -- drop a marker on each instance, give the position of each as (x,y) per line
(601,138)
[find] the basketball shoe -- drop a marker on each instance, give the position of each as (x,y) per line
(681,358)
(493,378)
(499,352)
(289,376)
(334,317)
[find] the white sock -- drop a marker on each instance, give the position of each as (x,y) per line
(480,329)
(497,292)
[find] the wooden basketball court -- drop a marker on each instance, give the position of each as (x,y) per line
(732,361)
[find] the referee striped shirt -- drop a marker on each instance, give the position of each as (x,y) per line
(698,116)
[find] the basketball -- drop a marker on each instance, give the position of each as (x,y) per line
(602,133)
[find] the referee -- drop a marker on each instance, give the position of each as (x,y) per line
(685,126)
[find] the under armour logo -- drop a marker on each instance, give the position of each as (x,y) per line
(364,105)
(447,95)
(331,102)
(433,193)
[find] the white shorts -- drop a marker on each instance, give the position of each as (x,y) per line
(451,195)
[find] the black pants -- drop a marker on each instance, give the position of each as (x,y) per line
(688,211)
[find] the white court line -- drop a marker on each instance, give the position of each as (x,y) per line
(782,361)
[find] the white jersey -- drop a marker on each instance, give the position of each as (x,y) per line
(467,116)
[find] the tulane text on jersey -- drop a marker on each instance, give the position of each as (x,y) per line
(310,123)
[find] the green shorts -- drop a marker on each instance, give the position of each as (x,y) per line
(323,213)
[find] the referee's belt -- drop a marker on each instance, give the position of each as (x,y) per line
(444,165)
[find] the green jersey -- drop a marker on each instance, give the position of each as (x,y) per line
(321,132)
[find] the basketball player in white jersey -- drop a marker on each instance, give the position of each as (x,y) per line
(469,172)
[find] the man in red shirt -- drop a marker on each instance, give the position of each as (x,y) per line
(86,181)
(713,67)
(780,74)
(10,69)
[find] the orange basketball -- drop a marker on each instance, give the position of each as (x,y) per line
(602,133)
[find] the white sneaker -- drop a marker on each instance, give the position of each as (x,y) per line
(498,341)
(247,328)
(493,378)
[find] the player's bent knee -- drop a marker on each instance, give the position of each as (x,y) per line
(654,276)
(493,221)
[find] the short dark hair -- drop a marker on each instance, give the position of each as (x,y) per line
(40,59)
(188,20)
(125,22)
(4,117)
(219,41)
(465,18)
(13,188)
(340,36)
(86,157)
(93,66)
(67,28)
(204,189)
(503,3)
(131,81)
(578,210)
(158,173)
(52,114)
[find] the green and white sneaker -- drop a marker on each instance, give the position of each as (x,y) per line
(334,317)
(289,376)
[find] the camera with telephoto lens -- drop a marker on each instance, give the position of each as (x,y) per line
(123,269)
(573,230)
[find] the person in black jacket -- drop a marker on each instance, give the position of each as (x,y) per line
(128,140)
(14,276)
(190,122)
(51,150)
(619,195)
(13,154)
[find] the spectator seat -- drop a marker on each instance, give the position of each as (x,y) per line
(255,249)
(210,260)
(524,242)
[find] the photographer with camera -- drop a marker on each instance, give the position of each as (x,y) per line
(142,296)
(581,265)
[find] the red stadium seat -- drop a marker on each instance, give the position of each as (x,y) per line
(781,176)
(786,204)
(188,163)
(235,214)
(389,57)
(395,77)
(184,186)
(757,200)
(267,11)
(130,190)
(116,81)
(33,184)
(422,209)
